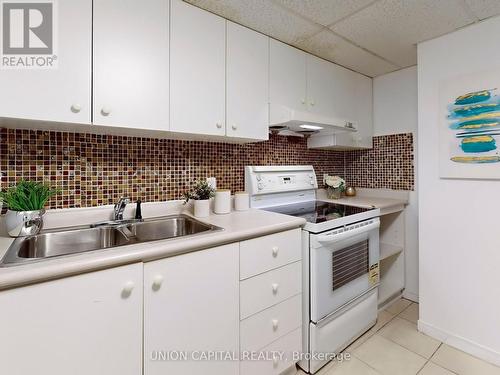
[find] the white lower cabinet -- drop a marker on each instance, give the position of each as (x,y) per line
(190,308)
(80,325)
(270,303)
(169,316)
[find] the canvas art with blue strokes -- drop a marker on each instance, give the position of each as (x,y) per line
(475,117)
(470,132)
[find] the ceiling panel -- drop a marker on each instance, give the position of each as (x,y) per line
(264,16)
(324,12)
(391,28)
(331,47)
(484,8)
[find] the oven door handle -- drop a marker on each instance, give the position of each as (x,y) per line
(331,238)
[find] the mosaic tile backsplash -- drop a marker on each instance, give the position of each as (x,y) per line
(93,170)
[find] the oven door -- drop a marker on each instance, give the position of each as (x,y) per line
(344,265)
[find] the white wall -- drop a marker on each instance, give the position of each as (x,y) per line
(459,219)
(395,111)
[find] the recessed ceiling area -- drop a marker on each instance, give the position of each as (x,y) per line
(372,37)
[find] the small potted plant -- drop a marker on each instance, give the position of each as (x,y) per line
(25,202)
(335,186)
(201,194)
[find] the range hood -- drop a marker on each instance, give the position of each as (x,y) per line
(287,121)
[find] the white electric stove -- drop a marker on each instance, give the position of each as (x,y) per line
(340,258)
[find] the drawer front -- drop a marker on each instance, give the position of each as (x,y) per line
(287,346)
(269,252)
(270,288)
(269,325)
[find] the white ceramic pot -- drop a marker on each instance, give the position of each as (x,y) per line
(222,202)
(202,208)
(241,201)
(23,223)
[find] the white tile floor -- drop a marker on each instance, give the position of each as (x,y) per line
(395,347)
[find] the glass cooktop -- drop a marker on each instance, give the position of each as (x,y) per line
(317,211)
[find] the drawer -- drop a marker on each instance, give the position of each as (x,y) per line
(270,288)
(269,252)
(263,328)
(288,346)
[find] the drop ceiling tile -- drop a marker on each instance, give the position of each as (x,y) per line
(264,16)
(331,47)
(324,12)
(484,8)
(391,28)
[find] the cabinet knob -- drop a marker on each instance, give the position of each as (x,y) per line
(127,289)
(157,281)
(275,251)
(76,108)
(234,127)
(275,288)
(303,101)
(105,111)
(312,103)
(275,324)
(219,125)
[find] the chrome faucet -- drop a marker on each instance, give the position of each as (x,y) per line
(120,207)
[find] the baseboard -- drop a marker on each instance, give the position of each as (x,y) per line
(460,343)
(411,296)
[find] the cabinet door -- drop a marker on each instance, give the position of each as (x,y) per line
(320,86)
(197,70)
(61,93)
(81,325)
(131,59)
(287,79)
(191,304)
(359,110)
(247,83)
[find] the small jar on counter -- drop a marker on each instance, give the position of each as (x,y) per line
(222,202)
(241,201)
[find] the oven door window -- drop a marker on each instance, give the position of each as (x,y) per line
(350,263)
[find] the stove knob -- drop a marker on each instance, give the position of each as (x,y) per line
(312,182)
(258,177)
(260,186)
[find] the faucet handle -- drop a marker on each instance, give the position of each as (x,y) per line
(120,207)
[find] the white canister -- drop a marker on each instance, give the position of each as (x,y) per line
(202,208)
(241,201)
(222,203)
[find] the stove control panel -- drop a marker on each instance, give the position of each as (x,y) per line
(279,179)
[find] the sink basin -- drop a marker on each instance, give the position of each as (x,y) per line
(66,241)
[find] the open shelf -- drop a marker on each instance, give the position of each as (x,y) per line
(387,250)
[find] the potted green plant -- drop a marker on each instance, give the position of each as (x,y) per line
(25,203)
(335,186)
(201,194)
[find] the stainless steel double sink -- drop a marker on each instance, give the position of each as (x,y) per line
(72,240)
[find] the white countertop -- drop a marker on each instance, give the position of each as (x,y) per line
(237,226)
(388,201)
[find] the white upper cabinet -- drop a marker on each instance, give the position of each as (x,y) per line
(357,99)
(61,93)
(80,325)
(131,63)
(320,86)
(247,83)
(197,70)
(191,304)
(287,79)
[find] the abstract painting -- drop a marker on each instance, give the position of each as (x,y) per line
(470,127)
